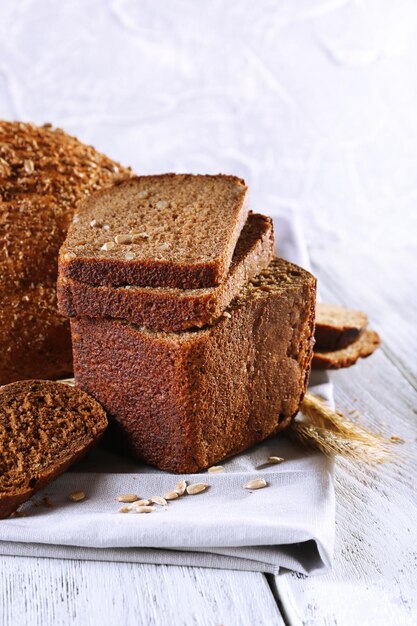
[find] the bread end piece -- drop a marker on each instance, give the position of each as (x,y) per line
(363,347)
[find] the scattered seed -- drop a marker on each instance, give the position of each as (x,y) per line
(108,245)
(145,502)
(77,496)
(258,483)
(227,314)
(125,509)
(123,239)
(127,497)
(28,166)
(216,469)
(129,256)
(396,439)
(181,487)
(143,509)
(159,500)
(171,495)
(273,460)
(196,488)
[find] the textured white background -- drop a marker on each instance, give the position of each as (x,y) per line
(314,102)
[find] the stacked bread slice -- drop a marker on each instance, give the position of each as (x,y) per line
(192,335)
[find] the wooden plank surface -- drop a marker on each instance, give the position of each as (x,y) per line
(47,592)
(373,580)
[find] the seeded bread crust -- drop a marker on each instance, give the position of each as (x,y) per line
(171,230)
(184,401)
(337,327)
(44,175)
(363,347)
(45,427)
(174,309)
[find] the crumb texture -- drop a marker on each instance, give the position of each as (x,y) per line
(171,230)
(44,427)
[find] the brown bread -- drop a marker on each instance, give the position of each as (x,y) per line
(184,401)
(171,230)
(363,347)
(44,175)
(44,428)
(171,309)
(337,326)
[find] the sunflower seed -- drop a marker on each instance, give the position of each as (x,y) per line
(127,497)
(273,460)
(181,487)
(123,239)
(106,227)
(145,502)
(171,495)
(77,496)
(143,194)
(125,509)
(258,483)
(159,500)
(196,488)
(161,204)
(69,255)
(129,256)
(143,509)
(108,245)
(216,469)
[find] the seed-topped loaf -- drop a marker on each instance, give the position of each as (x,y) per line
(184,401)
(171,230)
(44,428)
(170,309)
(44,175)
(337,326)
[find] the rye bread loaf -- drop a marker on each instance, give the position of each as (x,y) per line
(337,326)
(171,230)
(169,309)
(363,347)
(44,175)
(44,428)
(183,401)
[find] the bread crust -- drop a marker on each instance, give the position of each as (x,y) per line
(337,327)
(36,478)
(174,309)
(183,401)
(107,269)
(363,347)
(44,175)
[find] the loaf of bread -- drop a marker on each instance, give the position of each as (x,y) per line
(171,230)
(44,428)
(44,175)
(183,401)
(169,309)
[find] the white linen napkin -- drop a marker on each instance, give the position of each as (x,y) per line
(289,524)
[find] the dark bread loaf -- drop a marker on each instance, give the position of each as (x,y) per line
(363,347)
(172,230)
(172,309)
(44,428)
(44,175)
(183,401)
(337,326)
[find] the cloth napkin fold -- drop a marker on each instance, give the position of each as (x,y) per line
(289,524)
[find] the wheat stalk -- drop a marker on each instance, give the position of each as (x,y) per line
(331,432)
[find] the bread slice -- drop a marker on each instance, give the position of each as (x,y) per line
(34,337)
(170,309)
(172,230)
(44,428)
(345,357)
(337,326)
(183,401)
